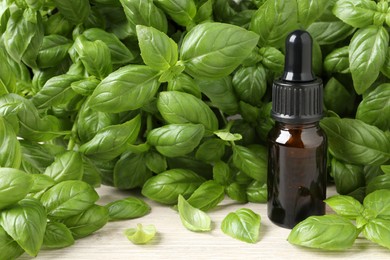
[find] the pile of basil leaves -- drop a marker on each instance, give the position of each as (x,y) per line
(173,97)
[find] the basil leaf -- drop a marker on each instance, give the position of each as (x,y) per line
(378,183)
(166,186)
(176,139)
(375,107)
(386,66)
(95,56)
(231,45)
(205,11)
(130,171)
(158,51)
(7,76)
(345,206)
(57,24)
(86,86)
(221,173)
(367,52)
(133,82)
(56,91)
(9,248)
(337,98)
(379,203)
(211,150)
(386,169)
(182,12)
(127,208)
(35,155)
(377,231)
(53,50)
(356,13)
(273,21)
(141,234)
(111,141)
(347,177)
(272,59)
(68,198)
(156,162)
(253,166)
(144,12)
(250,84)
(309,11)
(192,218)
(66,166)
(256,192)
(243,224)
(41,182)
(356,142)
(329,32)
(329,232)
(10,152)
(75,11)
(14,186)
(337,61)
(207,196)
(237,192)
(184,83)
(120,54)
(30,216)
(91,173)
(226,136)
(57,235)
(87,222)
(221,93)
(178,108)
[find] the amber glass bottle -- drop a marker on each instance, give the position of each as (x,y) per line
(297,145)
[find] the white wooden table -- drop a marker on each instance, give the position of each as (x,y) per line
(174,241)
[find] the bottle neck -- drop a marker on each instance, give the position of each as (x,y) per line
(297,126)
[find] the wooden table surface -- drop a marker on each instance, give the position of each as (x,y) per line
(174,241)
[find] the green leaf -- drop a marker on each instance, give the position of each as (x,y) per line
(375,107)
(345,206)
(156,162)
(337,61)
(330,32)
(14,186)
(347,177)
(9,248)
(57,235)
(356,13)
(211,150)
(141,234)
(310,10)
(127,208)
(68,198)
(10,152)
(36,155)
(273,21)
(67,166)
(91,173)
(355,142)
(207,196)
(41,182)
(86,86)
(7,76)
(53,51)
(221,173)
(243,224)
(75,11)
(87,222)
(179,108)
(386,169)
(231,45)
(182,12)
(247,161)
(337,98)
(367,53)
(130,171)
(237,192)
(272,59)
(184,83)
(377,230)
(144,12)
(379,203)
(176,139)
(226,136)
(25,223)
(257,192)
(330,232)
(111,141)
(166,186)
(95,56)
(378,183)
(138,83)
(192,218)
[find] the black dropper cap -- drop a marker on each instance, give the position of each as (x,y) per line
(297,95)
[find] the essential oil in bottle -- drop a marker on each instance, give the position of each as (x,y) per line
(297,145)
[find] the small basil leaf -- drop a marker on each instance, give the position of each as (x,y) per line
(184,83)
(68,198)
(41,182)
(58,24)
(53,50)
(345,206)
(211,150)
(337,61)
(367,53)
(10,151)
(111,141)
(156,162)
(66,166)
(178,108)
(309,11)
(226,136)
(347,177)
(192,218)
(237,192)
(329,232)
(127,208)
(86,86)
(247,161)
(138,83)
(207,196)
(377,231)
(378,183)
(176,139)
(14,186)
(9,248)
(337,98)
(257,192)
(379,203)
(75,11)
(57,235)
(141,234)
(355,142)
(231,45)
(272,59)
(166,186)
(355,13)
(222,173)
(182,12)
(330,32)
(243,224)
(386,169)
(30,216)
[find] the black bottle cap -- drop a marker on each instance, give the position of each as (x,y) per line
(297,95)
